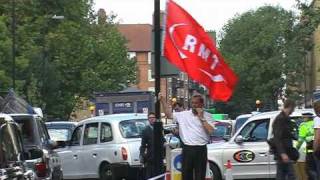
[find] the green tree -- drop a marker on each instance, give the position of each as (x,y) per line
(59,61)
(260,47)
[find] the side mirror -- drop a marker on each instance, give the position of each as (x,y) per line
(226,137)
(166,131)
(174,142)
(35,153)
(239,139)
(61,144)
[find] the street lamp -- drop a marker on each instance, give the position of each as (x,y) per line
(13,31)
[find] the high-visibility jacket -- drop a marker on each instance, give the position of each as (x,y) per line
(306,134)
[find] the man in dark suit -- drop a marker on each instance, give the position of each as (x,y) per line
(146,152)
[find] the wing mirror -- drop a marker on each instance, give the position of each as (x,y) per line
(174,142)
(62,144)
(226,137)
(239,139)
(35,153)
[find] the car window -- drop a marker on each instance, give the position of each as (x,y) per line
(240,122)
(43,134)
(221,130)
(10,143)
(132,128)
(76,136)
(255,131)
(59,134)
(90,134)
(106,133)
(28,128)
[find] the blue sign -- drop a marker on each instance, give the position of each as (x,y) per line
(177,163)
(142,105)
(104,107)
(123,107)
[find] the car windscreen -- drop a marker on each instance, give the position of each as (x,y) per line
(132,128)
(221,129)
(59,134)
(28,128)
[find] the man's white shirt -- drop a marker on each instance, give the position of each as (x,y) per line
(191,130)
(316,122)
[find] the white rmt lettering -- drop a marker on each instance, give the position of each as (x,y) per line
(204,52)
(215,62)
(190,43)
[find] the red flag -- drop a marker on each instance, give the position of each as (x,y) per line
(191,49)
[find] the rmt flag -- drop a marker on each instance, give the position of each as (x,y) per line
(190,48)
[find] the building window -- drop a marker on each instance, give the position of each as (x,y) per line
(149,57)
(151,89)
(132,55)
(150,75)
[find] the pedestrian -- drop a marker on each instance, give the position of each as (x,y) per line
(306,134)
(146,148)
(316,142)
(194,131)
(283,135)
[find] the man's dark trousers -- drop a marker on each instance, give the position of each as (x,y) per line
(311,167)
(194,159)
(285,171)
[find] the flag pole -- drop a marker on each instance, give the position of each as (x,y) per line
(157,132)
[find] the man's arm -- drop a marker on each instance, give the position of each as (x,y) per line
(143,146)
(204,121)
(316,142)
(164,105)
(277,132)
(302,135)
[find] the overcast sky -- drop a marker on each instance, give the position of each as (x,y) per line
(211,14)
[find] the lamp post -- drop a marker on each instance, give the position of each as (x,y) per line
(13,31)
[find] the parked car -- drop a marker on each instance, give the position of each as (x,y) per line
(12,154)
(105,147)
(36,138)
(248,150)
(61,130)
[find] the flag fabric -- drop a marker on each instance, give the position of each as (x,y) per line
(191,49)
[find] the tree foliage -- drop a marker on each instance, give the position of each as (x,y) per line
(60,60)
(261,47)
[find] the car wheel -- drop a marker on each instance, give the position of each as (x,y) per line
(105,172)
(215,171)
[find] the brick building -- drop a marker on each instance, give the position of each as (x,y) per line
(139,37)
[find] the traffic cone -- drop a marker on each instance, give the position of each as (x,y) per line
(168,176)
(229,170)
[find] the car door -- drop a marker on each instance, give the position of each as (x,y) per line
(89,152)
(71,161)
(249,151)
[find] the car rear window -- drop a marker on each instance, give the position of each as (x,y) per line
(28,128)
(132,128)
(59,134)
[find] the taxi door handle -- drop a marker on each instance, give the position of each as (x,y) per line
(263,154)
(75,156)
(94,155)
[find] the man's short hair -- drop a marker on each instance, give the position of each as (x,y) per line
(151,113)
(289,104)
(307,114)
(198,96)
(316,107)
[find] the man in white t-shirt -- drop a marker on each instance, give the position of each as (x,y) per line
(316,142)
(194,131)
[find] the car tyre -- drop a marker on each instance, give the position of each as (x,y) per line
(105,172)
(215,171)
